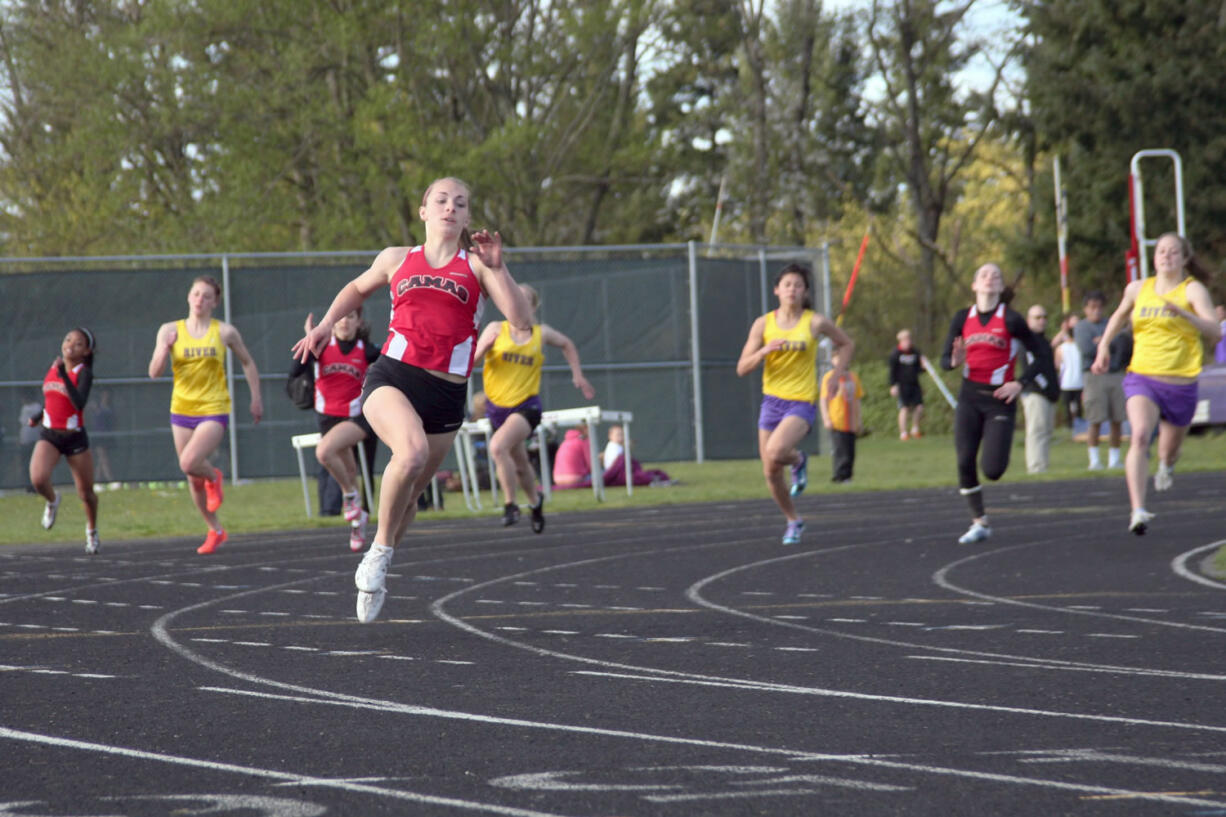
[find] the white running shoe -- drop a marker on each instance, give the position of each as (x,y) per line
(357,531)
(1164,479)
(976,533)
(91,541)
(369,605)
(1138,523)
(373,569)
(50,510)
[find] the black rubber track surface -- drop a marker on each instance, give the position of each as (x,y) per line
(657,661)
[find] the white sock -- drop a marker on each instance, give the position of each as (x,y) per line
(1113,457)
(1094,457)
(381,548)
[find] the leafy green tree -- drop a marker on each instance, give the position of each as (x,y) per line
(1107,79)
(933,126)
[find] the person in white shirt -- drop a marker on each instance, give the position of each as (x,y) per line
(615,447)
(1072,376)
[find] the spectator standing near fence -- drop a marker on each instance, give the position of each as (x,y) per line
(66,388)
(1102,398)
(1170,312)
(906,363)
(840,407)
(338,372)
(1038,407)
(415,393)
(196,347)
(784,341)
(513,359)
(984,341)
(1068,365)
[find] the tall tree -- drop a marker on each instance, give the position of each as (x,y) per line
(934,126)
(1107,79)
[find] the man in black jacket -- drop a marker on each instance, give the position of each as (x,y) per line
(1037,404)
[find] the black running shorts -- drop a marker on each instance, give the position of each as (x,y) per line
(68,441)
(438,402)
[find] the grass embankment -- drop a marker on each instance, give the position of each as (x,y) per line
(882,463)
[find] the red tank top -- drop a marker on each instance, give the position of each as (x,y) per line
(990,350)
(58,410)
(435,314)
(338,379)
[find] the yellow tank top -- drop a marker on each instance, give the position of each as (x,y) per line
(513,370)
(199,367)
(1164,344)
(791,372)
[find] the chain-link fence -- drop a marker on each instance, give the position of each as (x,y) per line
(658,328)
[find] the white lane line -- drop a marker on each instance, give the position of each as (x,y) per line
(1180,565)
(1110,635)
(1098,756)
(796,649)
(251,643)
(1145,610)
(1009,778)
(767,686)
(336,699)
(970,627)
(269,774)
(941,579)
(694,594)
(1041,632)
(811,779)
(848,620)
(1040,664)
(560,632)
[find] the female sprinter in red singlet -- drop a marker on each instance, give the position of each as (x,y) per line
(338,372)
(985,341)
(415,392)
(65,392)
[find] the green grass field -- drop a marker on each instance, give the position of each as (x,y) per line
(882,463)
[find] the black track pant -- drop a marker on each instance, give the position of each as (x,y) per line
(981,423)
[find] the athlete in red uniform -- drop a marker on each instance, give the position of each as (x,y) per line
(415,392)
(338,373)
(65,391)
(985,341)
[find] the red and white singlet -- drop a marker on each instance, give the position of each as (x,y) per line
(338,379)
(435,314)
(58,410)
(990,350)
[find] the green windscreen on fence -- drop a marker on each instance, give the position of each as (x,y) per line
(628,310)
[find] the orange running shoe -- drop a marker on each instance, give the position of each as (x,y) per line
(212,541)
(212,491)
